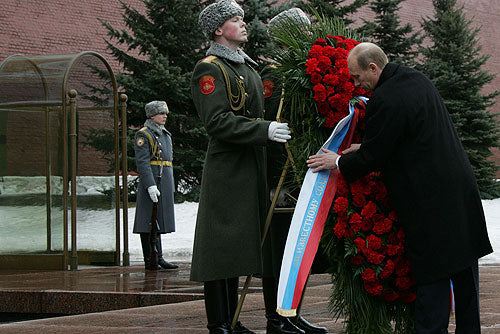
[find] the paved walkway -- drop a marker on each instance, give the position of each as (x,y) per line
(100,288)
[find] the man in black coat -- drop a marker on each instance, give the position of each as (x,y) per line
(411,140)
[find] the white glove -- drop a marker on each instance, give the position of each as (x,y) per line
(154,193)
(278,132)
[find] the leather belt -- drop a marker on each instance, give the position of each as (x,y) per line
(158,163)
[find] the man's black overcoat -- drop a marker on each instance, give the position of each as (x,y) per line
(411,139)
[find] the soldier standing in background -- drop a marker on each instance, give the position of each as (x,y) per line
(228,96)
(280,223)
(153,149)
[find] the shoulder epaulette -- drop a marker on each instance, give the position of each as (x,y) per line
(208,59)
(152,144)
(273,66)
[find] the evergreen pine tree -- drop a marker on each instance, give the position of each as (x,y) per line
(334,8)
(453,62)
(397,41)
(158,57)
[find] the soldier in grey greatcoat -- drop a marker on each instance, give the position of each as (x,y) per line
(228,96)
(153,152)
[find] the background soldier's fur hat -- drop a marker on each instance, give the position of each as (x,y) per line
(156,107)
(214,15)
(290,16)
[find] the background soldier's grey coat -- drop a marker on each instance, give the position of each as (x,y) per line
(147,177)
(232,205)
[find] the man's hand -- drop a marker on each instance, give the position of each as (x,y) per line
(322,161)
(154,193)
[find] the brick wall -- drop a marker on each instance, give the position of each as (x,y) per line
(51,27)
(33,27)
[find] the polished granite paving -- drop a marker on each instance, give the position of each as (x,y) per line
(94,289)
(131,300)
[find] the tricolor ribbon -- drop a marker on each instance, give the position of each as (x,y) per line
(315,198)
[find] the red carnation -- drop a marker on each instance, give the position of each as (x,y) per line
(369,210)
(387,270)
(374,242)
(360,92)
(339,229)
(319,93)
(360,243)
(355,222)
(328,51)
(335,100)
(359,200)
(312,66)
(341,63)
(330,121)
(392,249)
(369,275)
(340,206)
(341,53)
(331,79)
(367,225)
(316,78)
(335,38)
(357,187)
(342,189)
(349,233)
(374,257)
(315,52)
(324,63)
(374,289)
(321,41)
(382,226)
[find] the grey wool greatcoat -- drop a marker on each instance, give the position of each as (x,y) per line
(149,169)
(411,139)
(232,205)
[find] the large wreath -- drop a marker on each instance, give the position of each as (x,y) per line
(373,287)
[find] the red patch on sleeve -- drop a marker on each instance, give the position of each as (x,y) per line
(268,88)
(207,84)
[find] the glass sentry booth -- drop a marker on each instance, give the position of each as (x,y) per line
(61,197)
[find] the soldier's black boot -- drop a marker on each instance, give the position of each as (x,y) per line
(307,327)
(161,261)
(146,251)
(276,324)
(217,308)
(232,295)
